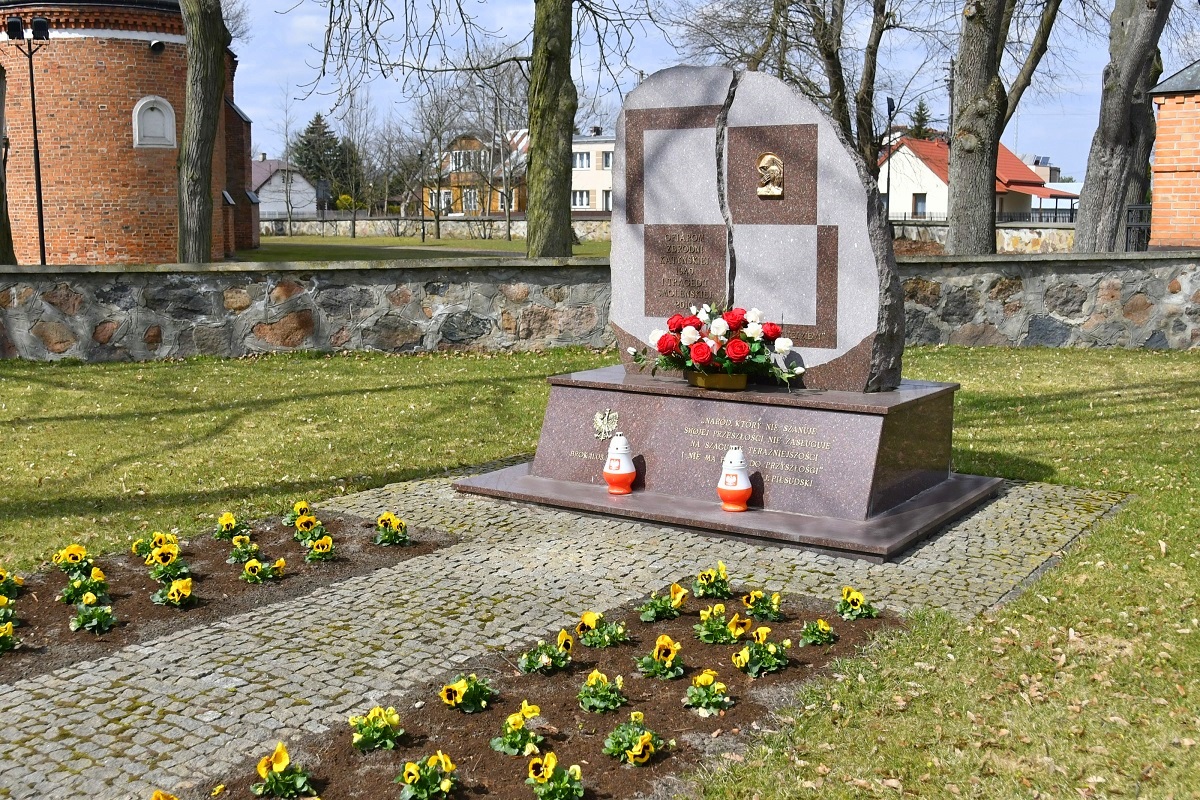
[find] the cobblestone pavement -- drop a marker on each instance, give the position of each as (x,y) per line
(183,710)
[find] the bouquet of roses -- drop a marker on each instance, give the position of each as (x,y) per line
(733,342)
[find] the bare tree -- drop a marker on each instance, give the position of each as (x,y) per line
(495,105)
(237,19)
(829,49)
(434,124)
(206,40)
(285,127)
(358,130)
(1120,152)
(982,106)
(364,37)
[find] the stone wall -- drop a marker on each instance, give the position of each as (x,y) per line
(458,228)
(1116,300)
(106,313)
(1011,237)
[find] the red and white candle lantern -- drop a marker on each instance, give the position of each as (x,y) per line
(734,487)
(619,471)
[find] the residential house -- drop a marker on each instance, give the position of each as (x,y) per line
(469,178)
(919,171)
(1175,175)
(279,184)
(591,172)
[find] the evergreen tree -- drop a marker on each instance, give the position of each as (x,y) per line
(317,152)
(919,122)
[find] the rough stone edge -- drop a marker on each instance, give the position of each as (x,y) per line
(489,262)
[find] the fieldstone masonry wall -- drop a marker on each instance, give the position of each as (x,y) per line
(1115,300)
(1011,237)
(586,230)
(106,314)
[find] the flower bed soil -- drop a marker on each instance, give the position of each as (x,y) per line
(577,737)
(47,642)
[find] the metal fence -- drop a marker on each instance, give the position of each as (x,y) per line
(1137,228)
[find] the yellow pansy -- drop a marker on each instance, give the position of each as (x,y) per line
(642,749)
(761,633)
(515,722)
(739,627)
(446,785)
(597,678)
(846,592)
(528,711)
(18,580)
(387,520)
(719,687)
(323,545)
(306,523)
(855,600)
(241,540)
(665,649)
(678,593)
(252,567)
(6,629)
(620,682)
(741,658)
(280,758)
(719,609)
(706,577)
(721,570)
(180,590)
(161,539)
(89,599)
(391,717)
(542,769)
(220,787)
(3,575)
(412,772)
(74,553)
(452,693)
(441,760)
(823,626)
(748,600)
(227,521)
(575,772)
(3,601)
(705,613)
(165,555)
(300,508)
(565,642)
(97,574)
(279,565)
(159,794)
(637,717)
(590,619)
(705,678)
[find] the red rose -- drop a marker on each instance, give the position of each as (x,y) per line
(675,323)
(771,331)
(735,318)
(701,354)
(668,344)
(737,350)
(693,321)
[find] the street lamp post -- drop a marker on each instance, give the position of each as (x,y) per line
(887,138)
(40,32)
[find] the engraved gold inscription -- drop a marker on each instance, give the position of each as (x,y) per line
(790,455)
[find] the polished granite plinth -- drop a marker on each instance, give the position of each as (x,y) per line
(852,473)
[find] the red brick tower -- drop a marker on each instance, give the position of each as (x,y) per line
(110,103)
(1175,176)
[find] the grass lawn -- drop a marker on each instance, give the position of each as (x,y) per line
(376,248)
(1084,687)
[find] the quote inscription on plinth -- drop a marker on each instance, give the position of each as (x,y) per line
(685,265)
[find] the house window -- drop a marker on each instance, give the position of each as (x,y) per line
(581,199)
(470,199)
(581,160)
(606,159)
(447,201)
(153,123)
(505,200)
(918,206)
(433,203)
(606,199)
(464,160)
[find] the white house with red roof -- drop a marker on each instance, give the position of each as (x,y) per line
(919,171)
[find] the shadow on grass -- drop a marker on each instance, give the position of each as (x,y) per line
(997,464)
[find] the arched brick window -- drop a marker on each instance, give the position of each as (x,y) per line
(153,123)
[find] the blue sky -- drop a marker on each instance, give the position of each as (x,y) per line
(1058,122)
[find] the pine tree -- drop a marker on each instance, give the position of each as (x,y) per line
(317,152)
(919,122)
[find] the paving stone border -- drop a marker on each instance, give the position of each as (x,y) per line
(178,712)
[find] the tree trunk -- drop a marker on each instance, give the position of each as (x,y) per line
(552,105)
(1116,167)
(207,38)
(8,254)
(980,104)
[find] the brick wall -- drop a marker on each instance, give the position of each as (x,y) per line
(105,202)
(1175,220)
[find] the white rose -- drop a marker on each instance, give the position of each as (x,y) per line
(631,350)
(689,336)
(799,370)
(753,331)
(783,345)
(754,315)
(654,336)
(703,314)
(718,327)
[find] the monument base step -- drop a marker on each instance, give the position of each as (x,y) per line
(880,538)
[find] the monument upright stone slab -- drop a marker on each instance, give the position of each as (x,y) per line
(696,148)
(734,190)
